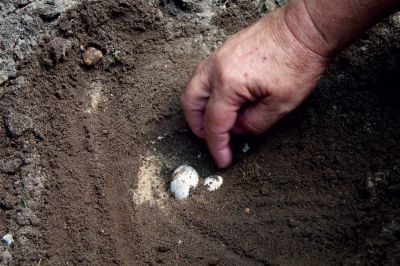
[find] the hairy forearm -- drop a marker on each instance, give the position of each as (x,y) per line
(327,26)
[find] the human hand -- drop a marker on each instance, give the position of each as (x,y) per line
(254,79)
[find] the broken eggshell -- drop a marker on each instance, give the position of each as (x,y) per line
(184,178)
(213,182)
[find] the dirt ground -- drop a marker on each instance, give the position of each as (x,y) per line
(86,153)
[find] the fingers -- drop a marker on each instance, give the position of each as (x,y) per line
(210,116)
(260,116)
(219,118)
(194,100)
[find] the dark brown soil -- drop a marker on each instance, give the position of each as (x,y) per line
(85,170)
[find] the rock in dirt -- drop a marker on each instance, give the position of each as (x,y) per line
(281,2)
(10,165)
(6,258)
(48,13)
(190,5)
(163,249)
(57,49)
(246,147)
(7,240)
(20,27)
(17,123)
(27,217)
(92,56)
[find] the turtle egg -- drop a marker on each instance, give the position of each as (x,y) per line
(213,182)
(184,178)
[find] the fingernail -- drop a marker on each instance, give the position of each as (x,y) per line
(224,158)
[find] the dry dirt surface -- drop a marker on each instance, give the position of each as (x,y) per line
(87,152)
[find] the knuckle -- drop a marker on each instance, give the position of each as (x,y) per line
(224,74)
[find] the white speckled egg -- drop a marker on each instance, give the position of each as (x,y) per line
(184,178)
(213,182)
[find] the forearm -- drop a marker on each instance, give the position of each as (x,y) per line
(327,26)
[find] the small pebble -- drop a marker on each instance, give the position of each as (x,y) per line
(6,258)
(92,56)
(184,178)
(17,123)
(247,210)
(57,49)
(7,240)
(163,249)
(10,165)
(213,182)
(245,148)
(292,223)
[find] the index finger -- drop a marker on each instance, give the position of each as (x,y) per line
(219,118)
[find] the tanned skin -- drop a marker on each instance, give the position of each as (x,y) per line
(271,66)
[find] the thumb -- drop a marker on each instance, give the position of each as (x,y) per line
(259,116)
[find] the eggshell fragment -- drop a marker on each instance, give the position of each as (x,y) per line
(213,182)
(184,178)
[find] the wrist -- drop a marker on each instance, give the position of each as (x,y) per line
(306,29)
(326,27)
(298,53)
